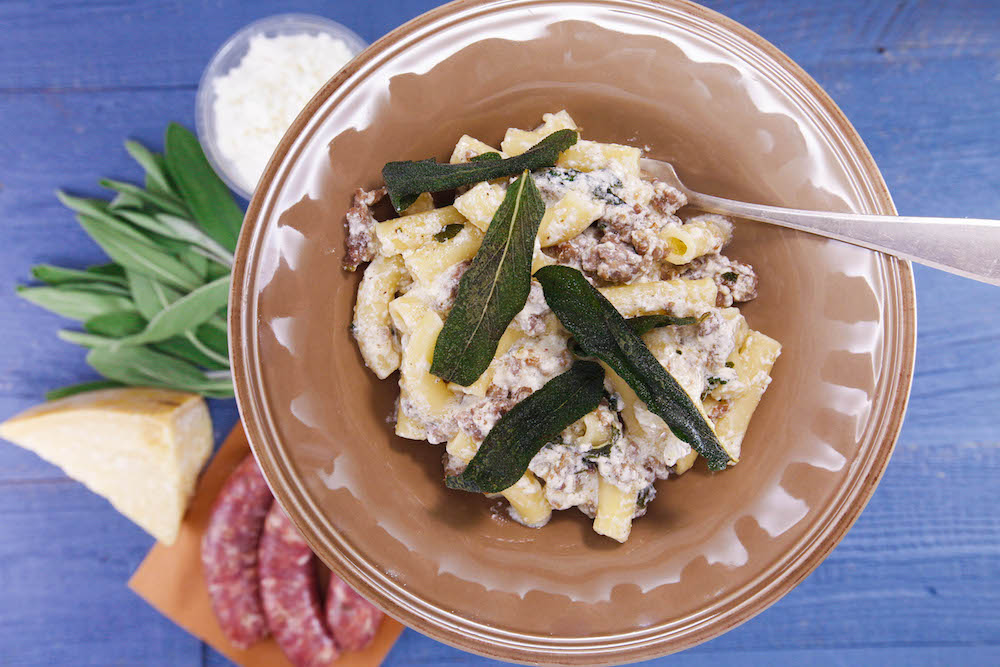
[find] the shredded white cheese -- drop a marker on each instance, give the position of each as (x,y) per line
(257,100)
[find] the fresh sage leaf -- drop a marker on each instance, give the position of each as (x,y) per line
(208,198)
(156,175)
(117,324)
(521,433)
(185,230)
(184,314)
(215,339)
(494,288)
(96,287)
(109,269)
(141,366)
(645,323)
(140,256)
(124,200)
(97,208)
(84,338)
(182,348)
(73,303)
(150,296)
(73,389)
(195,261)
(604,333)
(406,180)
(218,360)
(157,201)
(57,275)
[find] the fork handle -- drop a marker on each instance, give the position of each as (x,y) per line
(964,246)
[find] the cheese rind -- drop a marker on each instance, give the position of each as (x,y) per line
(141,449)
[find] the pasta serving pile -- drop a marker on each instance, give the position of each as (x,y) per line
(624,234)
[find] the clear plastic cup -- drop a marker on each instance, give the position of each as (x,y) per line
(229,56)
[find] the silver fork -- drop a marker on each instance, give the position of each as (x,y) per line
(964,246)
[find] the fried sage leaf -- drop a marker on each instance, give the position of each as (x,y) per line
(406,180)
(521,433)
(493,290)
(644,323)
(605,334)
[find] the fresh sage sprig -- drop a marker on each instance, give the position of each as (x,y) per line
(601,330)
(155,315)
(406,180)
(494,288)
(521,433)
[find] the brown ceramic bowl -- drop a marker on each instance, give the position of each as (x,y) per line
(739,119)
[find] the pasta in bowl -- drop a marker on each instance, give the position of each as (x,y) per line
(564,327)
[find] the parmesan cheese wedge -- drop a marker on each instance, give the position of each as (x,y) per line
(142,449)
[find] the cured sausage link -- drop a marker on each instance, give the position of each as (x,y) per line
(290,593)
(352,619)
(229,554)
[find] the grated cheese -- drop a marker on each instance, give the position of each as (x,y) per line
(257,100)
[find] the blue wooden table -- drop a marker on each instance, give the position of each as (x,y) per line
(917,580)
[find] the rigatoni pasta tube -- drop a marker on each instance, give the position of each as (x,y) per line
(615,509)
(698,236)
(753,365)
(415,381)
(673,297)
(526,496)
(412,231)
(376,339)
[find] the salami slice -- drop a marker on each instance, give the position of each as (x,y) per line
(290,593)
(229,554)
(352,619)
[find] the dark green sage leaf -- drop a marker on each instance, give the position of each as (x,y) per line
(182,348)
(604,333)
(595,454)
(63,392)
(215,339)
(117,324)
(210,201)
(521,433)
(406,180)
(483,157)
(644,323)
(493,290)
(109,269)
(449,232)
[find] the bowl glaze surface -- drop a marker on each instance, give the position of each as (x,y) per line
(738,119)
